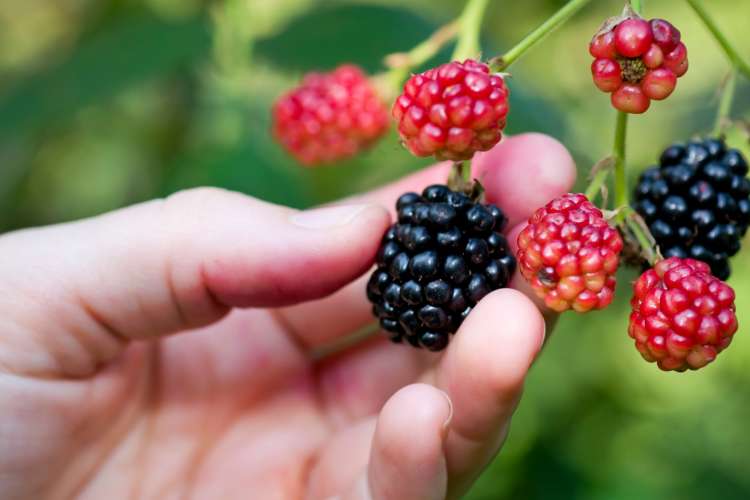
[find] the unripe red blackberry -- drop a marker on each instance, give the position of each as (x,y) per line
(570,254)
(452,111)
(638,61)
(697,202)
(682,316)
(330,116)
(436,263)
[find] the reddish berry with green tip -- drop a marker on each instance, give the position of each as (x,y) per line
(330,117)
(452,111)
(569,254)
(638,61)
(683,316)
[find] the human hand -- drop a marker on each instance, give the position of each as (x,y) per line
(99,402)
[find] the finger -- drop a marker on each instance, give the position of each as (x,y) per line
(160,267)
(527,172)
(407,460)
(483,373)
(520,174)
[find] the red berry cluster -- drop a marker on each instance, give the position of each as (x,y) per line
(638,61)
(570,254)
(682,315)
(330,116)
(452,111)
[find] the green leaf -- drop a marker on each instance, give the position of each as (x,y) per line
(328,36)
(136,50)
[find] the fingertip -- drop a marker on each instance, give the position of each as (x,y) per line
(407,459)
(524,172)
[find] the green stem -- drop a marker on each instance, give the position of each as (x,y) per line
(502,62)
(725,104)
(621,180)
(646,242)
(468,45)
(636,5)
(596,184)
(729,50)
(403,63)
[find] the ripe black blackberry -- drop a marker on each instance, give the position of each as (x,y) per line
(444,255)
(696,203)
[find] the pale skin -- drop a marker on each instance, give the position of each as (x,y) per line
(167,350)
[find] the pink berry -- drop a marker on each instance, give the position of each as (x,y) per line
(330,116)
(607,74)
(637,61)
(670,322)
(603,46)
(630,99)
(659,83)
(633,37)
(569,254)
(452,111)
(665,35)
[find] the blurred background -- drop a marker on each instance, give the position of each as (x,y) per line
(105,103)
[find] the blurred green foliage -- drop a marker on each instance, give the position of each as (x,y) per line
(105,103)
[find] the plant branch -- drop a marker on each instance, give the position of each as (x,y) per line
(502,62)
(468,45)
(621,179)
(731,53)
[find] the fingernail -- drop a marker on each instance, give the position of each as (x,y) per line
(447,422)
(328,217)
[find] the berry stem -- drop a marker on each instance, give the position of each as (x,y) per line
(468,45)
(729,50)
(725,104)
(402,63)
(501,63)
(636,5)
(600,175)
(639,229)
(621,180)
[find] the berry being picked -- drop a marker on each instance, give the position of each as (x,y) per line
(570,254)
(452,111)
(637,61)
(697,202)
(682,315)
(445,253)
(330,116)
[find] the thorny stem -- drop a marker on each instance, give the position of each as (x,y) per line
(470,31)
(502,62)
(725,104)
(731,53)
(621,180)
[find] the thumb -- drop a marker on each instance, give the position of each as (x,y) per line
(174,264)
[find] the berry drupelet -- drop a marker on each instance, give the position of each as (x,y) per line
(452,111)
(637,61)
(439,260)
(682,316)
(570,254)
(330,116)
(697,202)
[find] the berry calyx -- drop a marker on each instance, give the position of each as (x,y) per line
(682,315)
(696,202)
(452,111)
(569,254)
(445,253)
(638,61)
(330,117)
